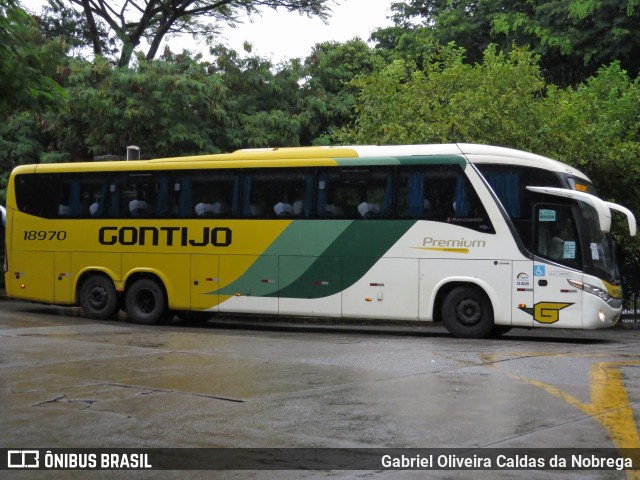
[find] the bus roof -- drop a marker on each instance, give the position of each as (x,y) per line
(501,155)
(325,156)
(475,153)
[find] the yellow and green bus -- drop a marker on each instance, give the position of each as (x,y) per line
(480,238)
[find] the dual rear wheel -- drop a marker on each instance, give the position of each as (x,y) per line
(145,300)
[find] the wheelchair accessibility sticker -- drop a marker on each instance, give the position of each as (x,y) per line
(539,271)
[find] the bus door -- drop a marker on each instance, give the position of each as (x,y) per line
(558,259)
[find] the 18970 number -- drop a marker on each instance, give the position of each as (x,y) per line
(45,235)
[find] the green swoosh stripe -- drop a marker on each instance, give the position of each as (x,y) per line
(303,241)
(318,259)
(347,259)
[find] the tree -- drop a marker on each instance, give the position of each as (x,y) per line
(328,95)
(262,104)
(131,21)
(448,100)
(27,87)
(573,38)
(25,64)
(167,107)
(61,21)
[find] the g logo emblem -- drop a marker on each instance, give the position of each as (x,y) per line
(546,312)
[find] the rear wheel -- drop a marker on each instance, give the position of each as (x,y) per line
(467,313)
(98,297)
(146,302)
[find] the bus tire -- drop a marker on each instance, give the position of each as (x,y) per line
(146,302)
(467,313)
(98,297)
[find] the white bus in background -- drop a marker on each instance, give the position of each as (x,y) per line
(480,238)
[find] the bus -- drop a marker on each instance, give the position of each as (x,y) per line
(480,238)
(3,221)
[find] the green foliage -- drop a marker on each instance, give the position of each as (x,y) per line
(165,107)
(179,105)
(261,105)
(27,87)
(25,68)
(449,100)
(573,38)
(20,143)
(328,97)
(61,22)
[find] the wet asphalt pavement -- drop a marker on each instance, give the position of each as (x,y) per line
(67,381)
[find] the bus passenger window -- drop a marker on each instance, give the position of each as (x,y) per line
(209,194)
(39,194)
(138,196)
(355,193)
(440,193)
(81,195)
(277,193)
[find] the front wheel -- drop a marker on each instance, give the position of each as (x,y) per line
(146,302)
(467,313)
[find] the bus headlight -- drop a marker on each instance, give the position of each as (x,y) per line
(598,292)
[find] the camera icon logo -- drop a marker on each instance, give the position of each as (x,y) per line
(23,459)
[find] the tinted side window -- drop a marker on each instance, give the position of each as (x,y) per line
(205,194)
(355,193)
(441,193)
(277,193)
(38,195)
(73,195)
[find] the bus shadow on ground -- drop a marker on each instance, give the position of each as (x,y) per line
(388,328)
(332,326)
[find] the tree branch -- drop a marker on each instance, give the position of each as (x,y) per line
(93,30)
(160,17)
